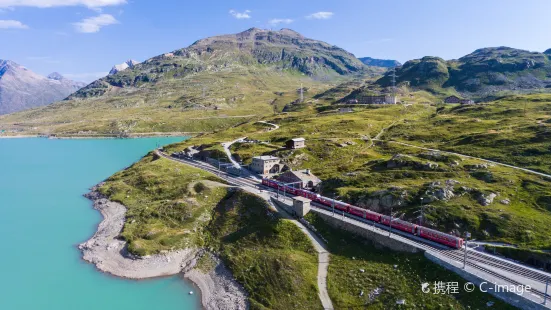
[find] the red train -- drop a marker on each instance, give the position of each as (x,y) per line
(423,232)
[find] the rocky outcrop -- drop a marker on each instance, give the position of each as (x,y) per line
(380,201)
(486,199)
(438,191)
(219,289)
(400,160)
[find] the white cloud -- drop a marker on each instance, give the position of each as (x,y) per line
(277,21)
(54,3)
(94,24)
(320,15)
(85,77)
(239,15)
(12,24)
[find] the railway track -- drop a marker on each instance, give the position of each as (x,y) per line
(474,258)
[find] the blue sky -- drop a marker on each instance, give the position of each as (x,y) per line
(83,39)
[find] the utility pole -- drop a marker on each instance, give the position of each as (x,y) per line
(390,224)
(546,287)
(467,235)
(394,82)
(301,93)
(333,204)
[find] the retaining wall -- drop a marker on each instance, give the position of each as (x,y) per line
(509,297)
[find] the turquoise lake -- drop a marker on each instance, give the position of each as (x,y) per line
(43,217)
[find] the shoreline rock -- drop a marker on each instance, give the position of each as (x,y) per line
(110,254)
(219,289)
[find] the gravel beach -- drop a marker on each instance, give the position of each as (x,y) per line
(219,290)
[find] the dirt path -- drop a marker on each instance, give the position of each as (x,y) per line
(271,124)
(319,246)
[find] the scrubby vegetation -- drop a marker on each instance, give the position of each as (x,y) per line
(173,206)
(168,204)
(271,257)
(457,194)
(363,276)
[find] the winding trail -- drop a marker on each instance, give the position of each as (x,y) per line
(275,126)
(319,245)
(323,255)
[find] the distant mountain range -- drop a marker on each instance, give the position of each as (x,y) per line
(485,72)
(218,81)
(22,89)
(384,63)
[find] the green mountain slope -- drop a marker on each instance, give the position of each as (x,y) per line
(485,72)
(214,83)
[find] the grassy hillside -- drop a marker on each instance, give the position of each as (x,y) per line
(485,73)
(213,84)
(202,102)
(457,194)
(388,277)
(271,257)
(168,204)
(173,206)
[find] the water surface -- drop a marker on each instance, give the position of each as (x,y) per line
(43,216)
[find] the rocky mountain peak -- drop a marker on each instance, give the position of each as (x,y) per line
(8,65)
(125,65)
(55,76)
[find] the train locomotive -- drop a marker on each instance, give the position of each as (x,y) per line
(405,226)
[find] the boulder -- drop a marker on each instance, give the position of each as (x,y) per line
(486,199)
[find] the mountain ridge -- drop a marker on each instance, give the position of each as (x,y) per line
(21,89)
(283,50)
(484,72)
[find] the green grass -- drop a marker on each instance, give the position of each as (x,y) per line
(171,105)
(168,204)
(514,130)
(399,275)
(271,257)
(173,206)
(340,151)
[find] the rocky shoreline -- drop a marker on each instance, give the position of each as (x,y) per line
(108,253)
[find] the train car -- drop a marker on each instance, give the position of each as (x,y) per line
(440,237)
(357,211)
(399,224)
(372,216)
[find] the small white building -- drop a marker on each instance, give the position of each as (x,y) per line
(301,206)
(266,164)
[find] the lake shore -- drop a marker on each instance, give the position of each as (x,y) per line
(106,136)
(108,253)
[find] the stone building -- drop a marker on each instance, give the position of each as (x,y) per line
(296,143)
(266,165)
(452,99)
(305,177)
(301,206)
(380,99)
